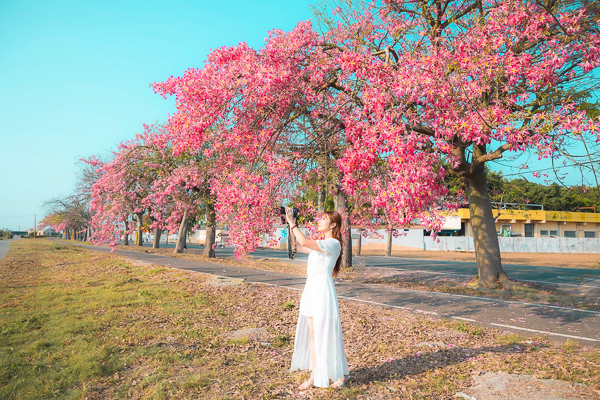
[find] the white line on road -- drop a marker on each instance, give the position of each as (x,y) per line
(359,300)
(546,332)
(504,301)
(456,274)
(433,312)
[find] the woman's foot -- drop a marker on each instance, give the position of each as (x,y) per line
(340,383)
(308,384)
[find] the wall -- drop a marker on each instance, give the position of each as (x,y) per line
(416,240)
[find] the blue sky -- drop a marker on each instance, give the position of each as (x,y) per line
(75,75)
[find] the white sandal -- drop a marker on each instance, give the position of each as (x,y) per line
(310,381)
(339,384)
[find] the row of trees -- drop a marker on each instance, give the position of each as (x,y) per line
(552,197)
(71,213)
(371,110)
(147,178)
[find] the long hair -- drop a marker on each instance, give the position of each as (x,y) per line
(336,232)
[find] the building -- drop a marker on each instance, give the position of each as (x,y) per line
(539,223)
(537,231)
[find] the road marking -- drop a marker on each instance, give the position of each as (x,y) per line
(546,332)
(456,274)
(466,319)
(433,312)
(504,301)
(418,270)
(379,304)
(358,300)
(388,305)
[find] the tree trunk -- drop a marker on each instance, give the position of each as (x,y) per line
(156,242)
(125,234)
(388,250)
(485,237)
(359,244)
(321,196)
(138,228)
(342,205)
(211,230)
(181,234)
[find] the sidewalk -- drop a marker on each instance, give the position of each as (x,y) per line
(559,323)
(4,247)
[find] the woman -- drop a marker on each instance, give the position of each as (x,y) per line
(319,345)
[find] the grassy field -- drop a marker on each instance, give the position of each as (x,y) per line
(77,324)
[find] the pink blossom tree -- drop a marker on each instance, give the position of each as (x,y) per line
(180,192)
(124,184)
(464,82)
(391,92)
(273,120)
(146,179)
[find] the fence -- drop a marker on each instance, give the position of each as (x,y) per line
(415,239)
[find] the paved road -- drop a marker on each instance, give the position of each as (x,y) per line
(560,323)
(575,280)
(4,247)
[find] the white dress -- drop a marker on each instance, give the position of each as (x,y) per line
(319,301)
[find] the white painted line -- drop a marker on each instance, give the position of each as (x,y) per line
(272,284)
(456,274)
(387,305)
(500,300)
(358,300)
(466,319)
(379,304)
(419,270)
(546,332)
(429,312)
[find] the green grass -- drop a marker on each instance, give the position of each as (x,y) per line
(287,305)
(510,339)
(58,332)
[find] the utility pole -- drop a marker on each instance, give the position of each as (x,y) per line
(34,226)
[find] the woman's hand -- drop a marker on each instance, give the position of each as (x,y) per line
(289,216)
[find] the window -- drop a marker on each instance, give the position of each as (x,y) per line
(589,234)
(543,233)
(529,230)
(553,233)
(570,234)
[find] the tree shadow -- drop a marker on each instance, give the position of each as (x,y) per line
(424,361)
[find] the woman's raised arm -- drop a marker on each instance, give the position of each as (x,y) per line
(300,238)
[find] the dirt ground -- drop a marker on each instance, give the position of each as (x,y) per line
(80,324)
(567,260)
